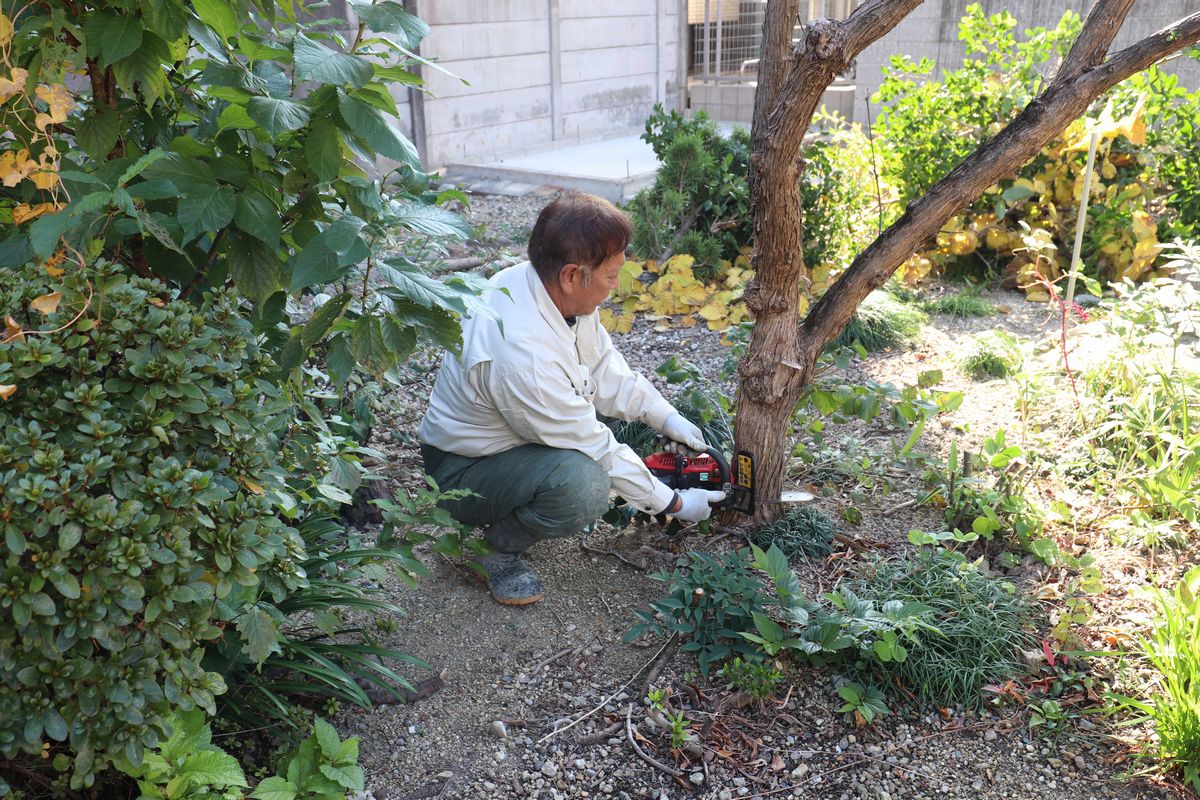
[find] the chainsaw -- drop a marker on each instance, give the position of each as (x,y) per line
(708,470)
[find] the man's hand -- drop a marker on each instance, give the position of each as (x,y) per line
(694,504)
(681,430)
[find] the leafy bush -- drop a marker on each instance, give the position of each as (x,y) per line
(801,532)
(757,680)
(1171,703)
(187,766)
(993,354)
(982,624)
(711,601)
(134,492)
(880,322)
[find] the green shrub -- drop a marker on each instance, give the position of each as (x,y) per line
(982,624)
(134,493)
(801,532)
(757,680)
(993,354)
(881,322)
(1171,702)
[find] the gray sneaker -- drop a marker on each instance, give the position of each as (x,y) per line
(510,580)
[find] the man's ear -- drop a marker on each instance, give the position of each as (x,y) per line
(570,277)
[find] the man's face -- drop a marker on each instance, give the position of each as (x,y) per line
(580,300)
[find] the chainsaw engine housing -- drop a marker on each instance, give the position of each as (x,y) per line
(711,471)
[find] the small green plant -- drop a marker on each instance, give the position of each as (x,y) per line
(323,767)
(711,600)
(993,354)
(800,533)
(1171,702)
(864,704)
(1051,716)
(760,681)
(982,623)
(880,323)
(679,729)
(963,305)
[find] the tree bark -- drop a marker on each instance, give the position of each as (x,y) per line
(783,353)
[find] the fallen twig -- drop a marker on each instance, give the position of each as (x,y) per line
(675,773)
(659,663)
(604,702)
(600,736)
(547,662)
(584,544)
(902,506)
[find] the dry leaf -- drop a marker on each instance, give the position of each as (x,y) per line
(13,331)
(47,304)
(7,390)
(252,486)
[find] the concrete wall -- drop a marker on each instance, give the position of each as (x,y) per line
(931,31)
(542,71)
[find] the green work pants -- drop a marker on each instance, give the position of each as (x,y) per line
(526,494)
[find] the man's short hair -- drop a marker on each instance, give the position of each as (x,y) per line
(577,228)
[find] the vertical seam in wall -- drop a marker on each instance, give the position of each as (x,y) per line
(681,63)
(416,101)
(555,71)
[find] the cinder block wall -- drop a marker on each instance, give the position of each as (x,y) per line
(543,71)
(931,31)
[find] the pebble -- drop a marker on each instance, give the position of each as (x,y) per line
(1080,764)
(989,735)
(697,778)
(498,729)
(800,772)
(549,770)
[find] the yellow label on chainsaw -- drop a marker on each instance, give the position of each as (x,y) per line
(745,476)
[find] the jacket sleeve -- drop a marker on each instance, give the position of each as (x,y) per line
(623,393)
(542,406)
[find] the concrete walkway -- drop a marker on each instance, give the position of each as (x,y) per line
(615,167)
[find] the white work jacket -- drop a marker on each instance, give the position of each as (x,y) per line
(541,380)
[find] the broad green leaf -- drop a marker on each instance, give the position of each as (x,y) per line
(389,17)
(143,69)
(259,634)
(15,251)
(254,268)
(167,18)
(275,788)
(323,319)
(344,475)
(327,739)
(323,258)
(213,767)
(349,777)
(373,126)
(277,116)
(156,229)
(323,149)
(234,118)
(184,171)
(257,215)
(338,359)
(429,220)
(220,15)
(139,166)
(1015,194)
(400,340)
(209,209)
(316,62)
(368,346)
(97,131)
(120,37)
(46,230)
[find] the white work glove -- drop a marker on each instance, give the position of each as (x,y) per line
(694,504)
(681,430)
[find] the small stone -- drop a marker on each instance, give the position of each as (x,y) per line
(697,778)
(498,729)
(874,750)
(1080,764)
(549,770)
(725,794)
(989,735)
(445,776)
(800,772)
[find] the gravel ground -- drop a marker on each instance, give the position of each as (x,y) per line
(514,675)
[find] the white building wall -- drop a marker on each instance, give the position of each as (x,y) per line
(538,72)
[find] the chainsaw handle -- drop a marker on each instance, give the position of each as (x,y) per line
(723,466)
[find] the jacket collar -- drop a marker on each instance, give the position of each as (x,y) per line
(545,305)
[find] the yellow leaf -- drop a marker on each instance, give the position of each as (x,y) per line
(251,485)
(1133,124)
(53,271)
(58,99)
(23,212)
(713,311)
(7,390)
(47,304)
(15,166)
(627,278)
(13,85)
(1144,226)
(6,31)
(688,322)
(12,330)
(44,180)
(663,324)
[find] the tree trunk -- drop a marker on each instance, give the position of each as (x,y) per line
(782,355)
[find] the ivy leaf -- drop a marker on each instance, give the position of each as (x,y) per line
(254,268)
(373,127)
(218,15)
(316,62)
(323,149)
(277,116)
(275,788)
(259,633)
(257,215)
(97,132)
(213,767)
(389,17)
(210,209)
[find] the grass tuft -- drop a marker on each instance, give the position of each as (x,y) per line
(994,354)
(881,321)
(961,305)
(982,624)
(801,532)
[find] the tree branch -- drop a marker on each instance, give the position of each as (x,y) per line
(1097,34)
(773,57)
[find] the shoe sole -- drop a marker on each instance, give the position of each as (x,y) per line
(517,601)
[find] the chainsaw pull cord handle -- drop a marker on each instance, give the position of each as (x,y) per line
(723,466)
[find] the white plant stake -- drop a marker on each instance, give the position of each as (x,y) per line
(1076,264)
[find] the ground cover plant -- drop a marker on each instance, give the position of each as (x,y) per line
(992,354)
